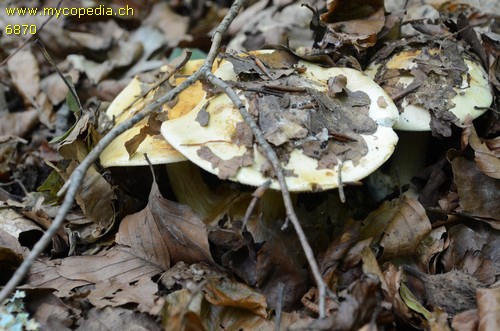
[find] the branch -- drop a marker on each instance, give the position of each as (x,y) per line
(72,185)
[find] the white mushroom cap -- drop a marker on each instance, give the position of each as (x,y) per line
(188,136)
(155,146)
(474,92)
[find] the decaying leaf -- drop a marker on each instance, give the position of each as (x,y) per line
(171,232)
(227,168)
(114,294)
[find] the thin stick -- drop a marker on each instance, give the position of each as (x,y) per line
(256,196)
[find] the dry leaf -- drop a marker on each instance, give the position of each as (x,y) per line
(226,292)
(117,319)
(24,70)
(169,232)
(488,301)
(401,226)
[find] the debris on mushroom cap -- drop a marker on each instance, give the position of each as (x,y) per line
(315,119)
(145,136)
(433,88)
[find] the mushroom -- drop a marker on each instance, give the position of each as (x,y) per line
(434,87)
(325,123)
(185,178)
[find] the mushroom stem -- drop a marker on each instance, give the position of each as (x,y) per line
(409,156)
(190,189)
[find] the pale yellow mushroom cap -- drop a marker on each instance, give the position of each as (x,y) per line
(158,150)
(471,100)
(187,135)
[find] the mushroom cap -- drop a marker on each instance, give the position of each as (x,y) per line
(158,150)
(474,92)
(188,136)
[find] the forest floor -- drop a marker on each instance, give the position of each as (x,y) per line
(170,247)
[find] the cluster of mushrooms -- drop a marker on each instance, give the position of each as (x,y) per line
(329,126)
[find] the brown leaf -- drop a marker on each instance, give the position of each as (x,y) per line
(203,116)
(49,310)
(10,255)
(488,301)
(120,264)
(166,232)
(400,225)
(23,68)
(227,168)
(277,264)
(117,319)
(487,160)
(226,292)
(142,292)
(473,251)
(43,273)
(18,124)
(479,194)
(152,128)
(466,321)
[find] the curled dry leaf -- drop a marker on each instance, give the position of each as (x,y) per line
(165,233)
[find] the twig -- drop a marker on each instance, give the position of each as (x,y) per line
(73,184)
(256,195)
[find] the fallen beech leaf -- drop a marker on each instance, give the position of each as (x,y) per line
(120,264)
(114,294)
(43,273)
(165,232)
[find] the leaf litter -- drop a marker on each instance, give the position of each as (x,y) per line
(216,275)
